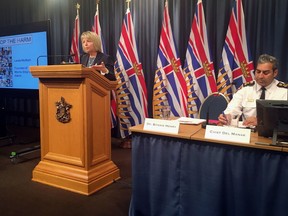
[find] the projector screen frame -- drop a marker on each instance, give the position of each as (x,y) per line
(23,29)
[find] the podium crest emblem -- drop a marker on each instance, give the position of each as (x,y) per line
(63,111)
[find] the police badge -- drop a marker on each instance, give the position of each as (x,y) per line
(63,111)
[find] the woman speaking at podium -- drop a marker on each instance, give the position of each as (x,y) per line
(94,57)
(265,86)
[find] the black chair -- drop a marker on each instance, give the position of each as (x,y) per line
(213,106)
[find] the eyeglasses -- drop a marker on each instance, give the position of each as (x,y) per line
(265,72)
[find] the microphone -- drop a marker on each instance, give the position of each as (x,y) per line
(63,56)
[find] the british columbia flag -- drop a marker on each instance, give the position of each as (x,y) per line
(131,91)
(169,84)
(74,50)
(236,66)
(198,66)
(97,29)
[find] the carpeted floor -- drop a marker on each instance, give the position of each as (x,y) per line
(21,196)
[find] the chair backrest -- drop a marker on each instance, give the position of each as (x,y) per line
(214,104)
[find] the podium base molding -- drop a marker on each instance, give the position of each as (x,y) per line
(77,180)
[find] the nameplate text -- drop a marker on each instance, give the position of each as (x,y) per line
(160,125)
(231,134)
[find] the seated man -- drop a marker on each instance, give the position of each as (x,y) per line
(265,86)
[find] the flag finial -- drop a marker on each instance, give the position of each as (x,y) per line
(97,1)
(77,8)
(128,2)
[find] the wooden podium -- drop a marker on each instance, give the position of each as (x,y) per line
(75,128)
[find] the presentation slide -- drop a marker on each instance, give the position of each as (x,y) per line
(17,54)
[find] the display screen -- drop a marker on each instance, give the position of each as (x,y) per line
(271,115)
(20,48)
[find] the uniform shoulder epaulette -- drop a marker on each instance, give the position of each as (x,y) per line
(282,85)
(251,83)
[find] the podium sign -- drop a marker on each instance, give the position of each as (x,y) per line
(75,128)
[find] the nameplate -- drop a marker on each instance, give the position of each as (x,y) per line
(232,134)
(160,125)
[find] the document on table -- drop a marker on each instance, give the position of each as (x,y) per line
(240,125)
(187,120)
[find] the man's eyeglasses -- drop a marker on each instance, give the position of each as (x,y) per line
(265,72)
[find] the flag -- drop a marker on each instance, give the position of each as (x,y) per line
(198,66)
(131,89)
(236,66)
(170,87)
(97,29)
(113,109)
(75,40)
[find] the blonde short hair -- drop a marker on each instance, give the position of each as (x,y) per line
(94,38)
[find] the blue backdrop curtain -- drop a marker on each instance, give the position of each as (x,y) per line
(266,25)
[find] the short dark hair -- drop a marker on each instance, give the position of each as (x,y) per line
(265,58)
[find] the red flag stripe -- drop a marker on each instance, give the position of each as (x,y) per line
(128,45)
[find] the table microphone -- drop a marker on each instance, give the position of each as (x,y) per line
(51,56)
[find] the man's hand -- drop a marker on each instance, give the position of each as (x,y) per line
(224,119)
(250,121)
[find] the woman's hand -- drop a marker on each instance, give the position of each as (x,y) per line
(102,68)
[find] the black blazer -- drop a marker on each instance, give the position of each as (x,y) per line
(101,57)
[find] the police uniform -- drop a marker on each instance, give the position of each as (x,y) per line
(244,100)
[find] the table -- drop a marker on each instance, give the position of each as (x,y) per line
(186,174)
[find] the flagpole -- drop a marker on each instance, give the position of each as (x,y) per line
(97,7)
